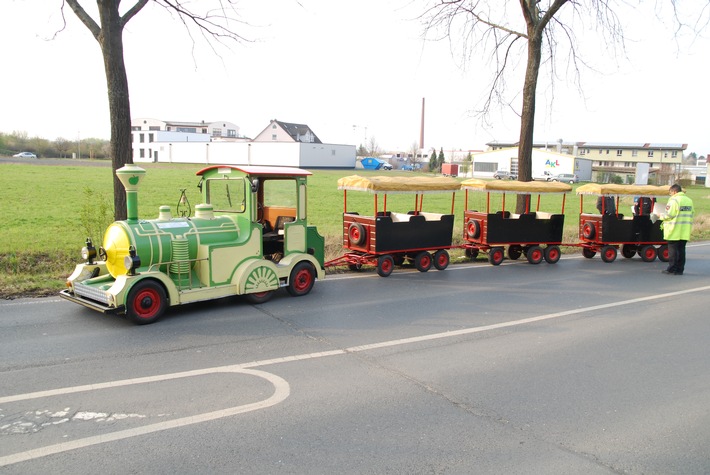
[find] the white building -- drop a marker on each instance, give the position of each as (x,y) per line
(485,164)
(279,144)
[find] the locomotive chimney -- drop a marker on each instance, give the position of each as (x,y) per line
(131,176)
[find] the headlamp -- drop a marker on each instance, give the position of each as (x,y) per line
(132,262)
(88,252)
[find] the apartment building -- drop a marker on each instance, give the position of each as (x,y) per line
(662,161)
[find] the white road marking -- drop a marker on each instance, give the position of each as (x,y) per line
(282,389)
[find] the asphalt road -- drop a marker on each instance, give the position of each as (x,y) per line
(577,367)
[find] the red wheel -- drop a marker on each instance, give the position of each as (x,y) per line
(146,302)
(473,228)
(441,259)
(423,261)
(648,253)
(608,253)
(385,265)
(496,255)
(588,230)
(302,279)
(552,254)
(357,234)
(663,253)
(535,254)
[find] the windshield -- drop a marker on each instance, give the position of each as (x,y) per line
(227,194)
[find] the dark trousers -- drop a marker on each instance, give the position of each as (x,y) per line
(676,256)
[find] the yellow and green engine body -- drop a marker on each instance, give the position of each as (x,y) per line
(231,246)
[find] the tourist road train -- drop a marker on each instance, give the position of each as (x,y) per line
(251,236)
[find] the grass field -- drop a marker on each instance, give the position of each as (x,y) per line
(42,206)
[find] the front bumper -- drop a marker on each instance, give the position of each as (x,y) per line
(105,309)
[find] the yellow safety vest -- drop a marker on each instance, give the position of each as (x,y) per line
(678,220)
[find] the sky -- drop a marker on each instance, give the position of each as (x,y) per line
(352,71)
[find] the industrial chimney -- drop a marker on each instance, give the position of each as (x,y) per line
(421,131)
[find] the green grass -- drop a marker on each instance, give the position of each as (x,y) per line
(41,207)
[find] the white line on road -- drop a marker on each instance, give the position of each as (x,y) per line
(281,392)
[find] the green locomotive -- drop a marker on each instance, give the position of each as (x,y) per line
(249,237)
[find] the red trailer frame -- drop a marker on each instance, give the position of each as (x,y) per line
(523,233)
(388,238)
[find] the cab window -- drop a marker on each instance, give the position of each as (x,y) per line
(281,193)
(227,194)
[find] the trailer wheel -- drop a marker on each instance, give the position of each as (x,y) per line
(146,302)
(473,228)
(472,253)
(259,297)
(302,278)
(357,234)
(514,252)
(496,255)
(355,267)
(588,252)
(552,254)
(588,230)
(663,253)
(441,259)
(385,265)
(423,261)
(535,254)
(628,250)
(648,253)
(608,253)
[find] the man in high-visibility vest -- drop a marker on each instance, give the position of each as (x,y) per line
(677,224)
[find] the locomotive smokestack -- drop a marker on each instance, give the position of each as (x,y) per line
(421,131)
(131,176)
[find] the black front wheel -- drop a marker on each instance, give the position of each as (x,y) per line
(496,256)
(385,265)
(302,278)
(535,254)
(423,261)
(146,302)
(441,259)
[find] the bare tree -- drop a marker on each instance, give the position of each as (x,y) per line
(212,24)
(535,35)
(413,153)
(373,148)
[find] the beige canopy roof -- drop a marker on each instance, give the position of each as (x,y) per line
(610,189)
(399,184)
(516,187)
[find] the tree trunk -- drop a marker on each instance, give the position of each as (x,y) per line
(111,42)
(527,116)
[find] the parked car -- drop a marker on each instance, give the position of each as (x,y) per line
(24,155)
(504,175)
(567,178)
(545,176)
(387,166)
